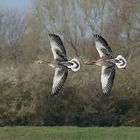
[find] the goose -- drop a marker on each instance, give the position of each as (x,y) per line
(107,62)
(60,64)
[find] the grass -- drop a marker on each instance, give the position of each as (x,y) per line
(69,133)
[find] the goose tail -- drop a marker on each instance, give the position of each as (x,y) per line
(75,64)
(120,62)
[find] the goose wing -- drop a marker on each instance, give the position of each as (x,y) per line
(57,48)
(102,46)
(59,79)
(107,78)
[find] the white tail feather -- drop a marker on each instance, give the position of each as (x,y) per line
(121,63)
(76,65)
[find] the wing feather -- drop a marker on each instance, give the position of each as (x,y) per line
(107,78)
(57,47)
(59,79)
(102,46)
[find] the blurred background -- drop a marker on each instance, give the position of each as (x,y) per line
(25,87)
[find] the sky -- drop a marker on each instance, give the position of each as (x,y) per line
(21,5)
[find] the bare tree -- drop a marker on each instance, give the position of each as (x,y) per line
(12,28)
(68,22)
(123,25)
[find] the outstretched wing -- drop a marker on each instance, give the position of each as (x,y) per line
(59,79)
(102,46)
(107,78)
(57,48)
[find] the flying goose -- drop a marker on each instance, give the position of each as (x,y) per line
(107,62)
(61,63)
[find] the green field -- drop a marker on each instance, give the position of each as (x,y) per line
(69,133)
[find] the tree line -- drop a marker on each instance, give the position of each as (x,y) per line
(25,87)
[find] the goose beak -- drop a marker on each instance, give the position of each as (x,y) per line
(86,62)
(38,61)
(89,63)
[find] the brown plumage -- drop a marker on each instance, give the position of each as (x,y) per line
(60,63)
(107,62)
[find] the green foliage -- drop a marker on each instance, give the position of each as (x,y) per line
(69,133)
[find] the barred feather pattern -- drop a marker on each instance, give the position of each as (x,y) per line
(59,79)
(107,78)
(102,46)
(57,48)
